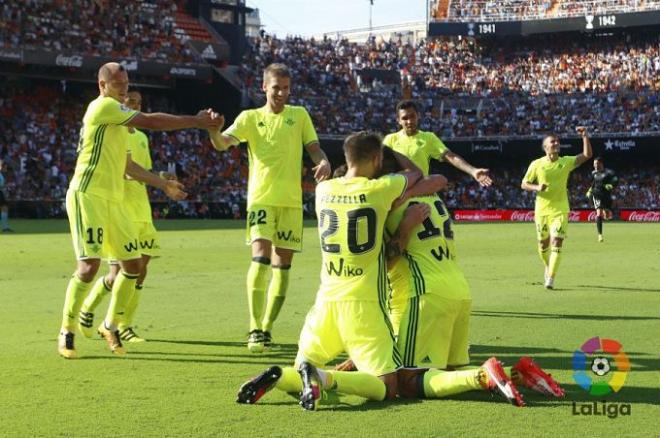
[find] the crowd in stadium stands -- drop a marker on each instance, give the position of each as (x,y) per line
(469,88)
(136,30)
(507,10)
(39,148)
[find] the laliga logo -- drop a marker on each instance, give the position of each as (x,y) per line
(596,360)
(599,364)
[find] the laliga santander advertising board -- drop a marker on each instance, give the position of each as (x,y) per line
(528,215)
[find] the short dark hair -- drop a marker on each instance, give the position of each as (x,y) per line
(407,104)
(599,159)
(390,164)
(362,146)
(278,70)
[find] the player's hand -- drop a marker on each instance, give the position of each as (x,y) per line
(589,192)
(416,214)
(346,365)
(482,177)
(174,190)
(322,171)
(209,120)
(543,187)
(167,175)
(582,130)
(609,187)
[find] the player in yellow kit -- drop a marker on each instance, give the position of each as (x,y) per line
(136,201)
(276,135)
(422,146)
(350,311)
(100,225)
(548,177)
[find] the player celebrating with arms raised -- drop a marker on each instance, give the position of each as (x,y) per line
(275,134)
(422,146)
(600,193)
(548,177)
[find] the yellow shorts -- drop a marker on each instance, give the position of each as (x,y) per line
(437,328)
(359,328)
(283,226)
(100,228)
(147,239)
(398,305)
(551,226)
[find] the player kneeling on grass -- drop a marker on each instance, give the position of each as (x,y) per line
(430,297)
(350,311)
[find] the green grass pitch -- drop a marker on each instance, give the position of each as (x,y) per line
(183,381)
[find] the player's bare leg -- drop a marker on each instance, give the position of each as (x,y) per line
(77,289)
(281,259)
(257,282)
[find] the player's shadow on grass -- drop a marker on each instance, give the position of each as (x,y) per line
(334,403)
(574,393)
(551,358)
(533,315)
(619,288)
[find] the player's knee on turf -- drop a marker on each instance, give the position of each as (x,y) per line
(87,269)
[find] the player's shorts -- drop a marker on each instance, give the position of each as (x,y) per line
(398,304)
(100,228)
(283,226)
(3,200)
(147,239)
(437,328)
(359,328)
(551,226)
(602,202)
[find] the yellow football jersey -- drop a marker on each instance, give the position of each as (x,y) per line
(101,162)
(351,214)
(275,151)
(554,199)
(419,148)
(136,198)
(429,265)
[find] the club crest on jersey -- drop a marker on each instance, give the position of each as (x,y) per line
(290,122)
(261,124)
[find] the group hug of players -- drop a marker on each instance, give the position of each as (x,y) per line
(392,296)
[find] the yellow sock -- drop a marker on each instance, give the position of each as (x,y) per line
(122,292)
(555,258)
(439,383)
(257,278)
(131,307)
(279,283)
(358,383)
(290,380)
(544,253)
(96,295)
(76,291)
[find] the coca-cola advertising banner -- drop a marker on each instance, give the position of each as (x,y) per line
(92,63)
(640,215)
(528,215)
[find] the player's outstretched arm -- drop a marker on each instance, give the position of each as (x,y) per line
(479,174)
(397,244)
(322,170)
(205,119)
(530,187)
(587,152)
(220,141)
(172,188)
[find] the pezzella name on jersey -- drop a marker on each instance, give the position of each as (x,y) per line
(331,198)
